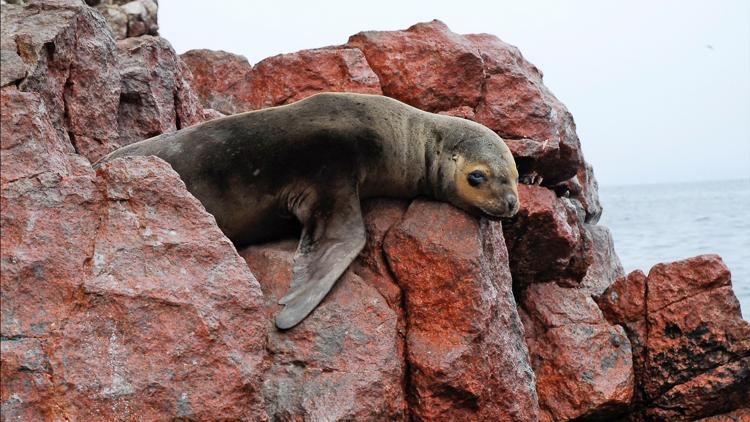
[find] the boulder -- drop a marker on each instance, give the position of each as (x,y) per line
(221,79)
(693,350)
(64,51)
(547,240)
(345,361)
(738,415)
(129,18)
(426,65)
(287,78)
(90,330)
(465,350)
(156,92)
(117,19)
(583,364)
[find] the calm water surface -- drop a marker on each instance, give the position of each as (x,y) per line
(662,223)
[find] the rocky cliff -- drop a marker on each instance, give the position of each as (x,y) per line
(122,300)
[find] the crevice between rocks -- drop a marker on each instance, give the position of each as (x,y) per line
(408,388)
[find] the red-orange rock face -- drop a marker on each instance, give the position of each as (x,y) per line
(694,355)
(447,66)
(345,361)
(287,78)
(446,313)
(464,340)
(547,240)
(583,364)
(65,54)
(99,95)
(90,328)
(221,79)
(156,95)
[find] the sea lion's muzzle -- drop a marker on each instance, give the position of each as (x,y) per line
(511,203)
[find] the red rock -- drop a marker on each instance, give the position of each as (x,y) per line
(380,215)
(583,364)
(426,65)
(345,361)
(517,105)
(221,79)
(691,358)
(684,343)
(739,415)
(156,93)
(546,240)
(67,56)
(90,329)
(287,78)
(625,300)
(721,389)
(50,211)
(192,347)
(26,113)
(465,347)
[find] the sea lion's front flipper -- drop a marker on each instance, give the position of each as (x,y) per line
(332,236)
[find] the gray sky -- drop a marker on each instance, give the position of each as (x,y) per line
(660,90)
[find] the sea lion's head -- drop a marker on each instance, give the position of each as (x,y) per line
(481,176)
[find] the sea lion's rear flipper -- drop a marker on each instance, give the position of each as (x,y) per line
(332,236)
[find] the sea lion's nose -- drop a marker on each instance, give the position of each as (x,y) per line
(512,201)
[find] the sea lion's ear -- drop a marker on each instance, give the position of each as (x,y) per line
(331,238)
(454,157)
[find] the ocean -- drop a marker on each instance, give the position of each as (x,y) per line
(669,222)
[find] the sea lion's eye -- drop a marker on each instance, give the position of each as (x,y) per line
(476,177)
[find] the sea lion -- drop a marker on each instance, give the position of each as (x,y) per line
(263,173)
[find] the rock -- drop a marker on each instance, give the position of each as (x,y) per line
(89,328)
(221,79)
(583,364)
(287,78)
(50,215)
(605,265)
(146,347)
(434,69)
(116,18)
(464,340)
(157,96)
(63,50)
(739,415)
(688,342)
(345,361)
(129,18)
(426,65)
(723,388)
(693,343)
(518,106)
(546,240)
(210,114)
(142,16)
(583,188)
